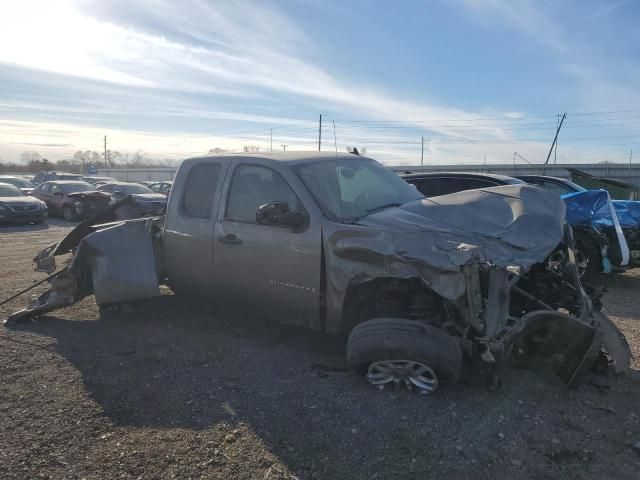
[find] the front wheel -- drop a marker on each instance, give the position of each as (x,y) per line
(588,260)
(396,351)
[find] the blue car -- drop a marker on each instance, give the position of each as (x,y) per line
(593,207)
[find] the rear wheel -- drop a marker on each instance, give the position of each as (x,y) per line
(69,213)
(399,352)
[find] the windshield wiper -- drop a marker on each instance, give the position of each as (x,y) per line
(382,207)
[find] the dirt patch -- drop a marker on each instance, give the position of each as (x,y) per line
(169,392)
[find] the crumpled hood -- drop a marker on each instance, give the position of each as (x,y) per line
(512,225)
(96,195)
(506,225)
(150,197)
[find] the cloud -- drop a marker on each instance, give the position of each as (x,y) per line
(196,46)
(161,75)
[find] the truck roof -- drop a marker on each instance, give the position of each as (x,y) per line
(297,157)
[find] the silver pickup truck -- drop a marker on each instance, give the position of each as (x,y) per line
(424,288)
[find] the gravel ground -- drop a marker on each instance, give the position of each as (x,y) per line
(174,393)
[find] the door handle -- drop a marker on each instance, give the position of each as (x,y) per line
(230,239)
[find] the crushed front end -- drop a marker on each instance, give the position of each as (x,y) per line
(475,265)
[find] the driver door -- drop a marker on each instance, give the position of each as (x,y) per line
(266,270)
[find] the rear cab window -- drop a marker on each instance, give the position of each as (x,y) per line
(200,190)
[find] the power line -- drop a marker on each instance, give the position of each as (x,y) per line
(499,118)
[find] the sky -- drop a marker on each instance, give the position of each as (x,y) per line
(445,81)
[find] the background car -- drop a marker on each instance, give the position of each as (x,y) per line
(93,180)
(145,201)
(49,176)
(590,241)
(19,208)
(56,195)
(627,210)
(444,183)
(161,187)
(22,183)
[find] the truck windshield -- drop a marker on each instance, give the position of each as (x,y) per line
(349,189)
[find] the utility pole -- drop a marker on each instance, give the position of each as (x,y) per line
(555,151)
(320,133)
(271,139)
(284,147)
(105,152)
(335,139)
(555,139)
(422,152)
(630,157)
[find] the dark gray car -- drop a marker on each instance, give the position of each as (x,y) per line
(145,201)
(18,208)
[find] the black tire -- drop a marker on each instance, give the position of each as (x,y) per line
(398,338)
(69,213)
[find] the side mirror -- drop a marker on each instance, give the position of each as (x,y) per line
(278,213)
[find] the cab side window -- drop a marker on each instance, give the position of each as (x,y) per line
(556,188)
(253,186)
(473,183)
(436,186)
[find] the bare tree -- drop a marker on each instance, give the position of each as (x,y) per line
(113,157)
(28,157)
(217,150)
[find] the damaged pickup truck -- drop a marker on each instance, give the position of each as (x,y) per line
(424,288)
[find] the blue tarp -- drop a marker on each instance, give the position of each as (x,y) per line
(590,208)
(595,209)
(628,212)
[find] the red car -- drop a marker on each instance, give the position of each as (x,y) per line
(56,195)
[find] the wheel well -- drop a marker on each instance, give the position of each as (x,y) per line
(591,245)
(406,298)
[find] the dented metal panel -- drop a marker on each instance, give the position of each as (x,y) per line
(511,226)
(122,261)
